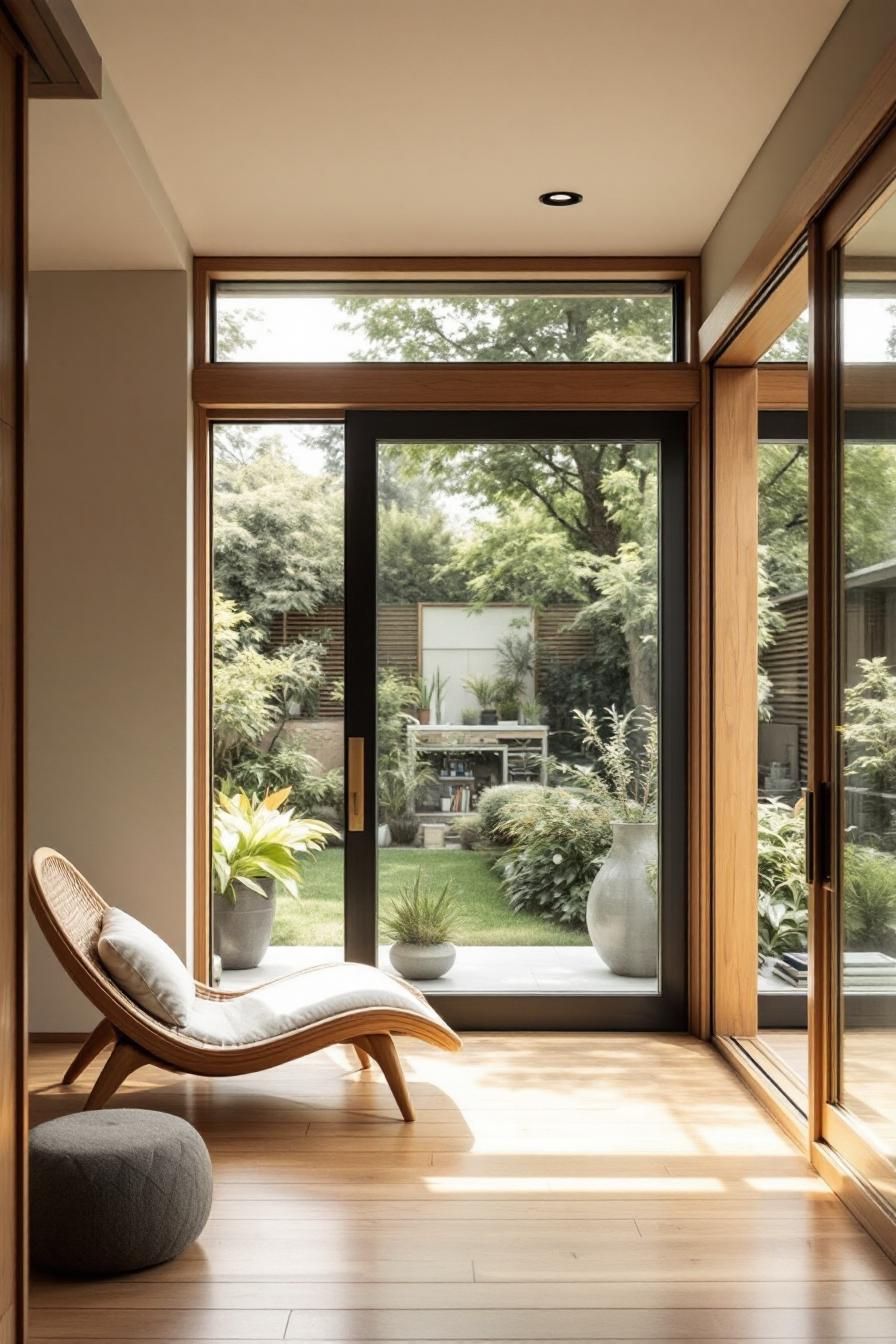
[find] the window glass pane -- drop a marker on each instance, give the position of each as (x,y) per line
(297,323)
(783,666)
(518,700)
(867,736)
(277,701)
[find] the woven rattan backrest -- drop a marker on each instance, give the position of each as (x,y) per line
(70,913)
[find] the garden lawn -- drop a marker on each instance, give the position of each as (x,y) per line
(486,919)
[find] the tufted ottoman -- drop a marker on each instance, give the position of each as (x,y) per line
(113,1191)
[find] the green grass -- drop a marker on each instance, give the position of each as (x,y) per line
(486,919)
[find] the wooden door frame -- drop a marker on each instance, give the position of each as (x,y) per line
(13,933)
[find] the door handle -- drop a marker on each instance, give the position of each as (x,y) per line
(809,809)
(356,784)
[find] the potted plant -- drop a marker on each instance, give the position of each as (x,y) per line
(400,780)
(430,695)
(485,692)
(257,849)
(508,693)
(421,922)
(424,699)
(622,904)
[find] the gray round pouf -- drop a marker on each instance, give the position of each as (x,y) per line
(114,1191)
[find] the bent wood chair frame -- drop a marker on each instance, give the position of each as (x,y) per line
(70,914)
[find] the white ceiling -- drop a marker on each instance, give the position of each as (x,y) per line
(424,127)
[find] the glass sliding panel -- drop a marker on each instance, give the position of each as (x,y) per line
(521,323)
(278,504)
(867,734)
(518,605)
(783,742)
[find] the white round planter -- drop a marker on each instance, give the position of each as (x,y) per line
(417,962)
(622,904)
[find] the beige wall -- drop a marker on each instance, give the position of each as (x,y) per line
(107,581)
(831,84)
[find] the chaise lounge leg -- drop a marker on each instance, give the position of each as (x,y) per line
(99,1038)
(122,1062)
(363,1057)
(382,1048)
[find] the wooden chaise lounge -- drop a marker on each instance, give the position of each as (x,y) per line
(342,1004)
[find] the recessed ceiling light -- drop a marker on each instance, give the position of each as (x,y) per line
(560,197)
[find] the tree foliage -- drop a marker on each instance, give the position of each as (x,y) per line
(414,558)
(278,532)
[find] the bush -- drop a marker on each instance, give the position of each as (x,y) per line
(869,899)
(492,806)
(468,829)
(782,892)
(288,766)
(558,842)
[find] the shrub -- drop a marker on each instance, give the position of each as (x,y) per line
(288,766)
(558,842)
(421,915)
(492,806)
(468,829)
(869,899)
(782,892)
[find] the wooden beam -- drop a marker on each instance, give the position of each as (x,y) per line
(783,387)
(735,708)
(339,387)
(64,63)
(770,320)
(867,119)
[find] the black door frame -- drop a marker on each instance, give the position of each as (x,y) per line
(667,1010)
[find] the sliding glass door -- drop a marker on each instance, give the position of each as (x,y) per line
(864,869)
(515,712)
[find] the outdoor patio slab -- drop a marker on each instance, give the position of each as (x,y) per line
(478,970)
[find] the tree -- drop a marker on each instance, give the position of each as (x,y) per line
(627,581)
(278,534)
(414,558)
(561,484)
(519,555)
(484,328)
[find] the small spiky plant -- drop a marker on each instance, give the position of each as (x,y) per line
(421,916)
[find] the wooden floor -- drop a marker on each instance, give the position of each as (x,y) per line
(553,1188)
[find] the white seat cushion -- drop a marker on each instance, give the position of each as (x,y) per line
(299,1001)
(146,968)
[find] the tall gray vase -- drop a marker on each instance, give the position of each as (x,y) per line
(242,932)
(622,907)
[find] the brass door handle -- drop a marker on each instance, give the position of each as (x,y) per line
(356,784)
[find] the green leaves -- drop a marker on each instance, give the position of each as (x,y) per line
(252,840)
(627,754)
(421,915)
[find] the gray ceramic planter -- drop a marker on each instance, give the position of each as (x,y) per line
(243,931)
(417,962)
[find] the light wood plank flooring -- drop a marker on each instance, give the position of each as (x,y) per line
(553,1188)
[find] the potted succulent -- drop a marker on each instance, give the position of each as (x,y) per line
(421,922)
(485,692)
(257,850)
(622,904)
(400,780)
